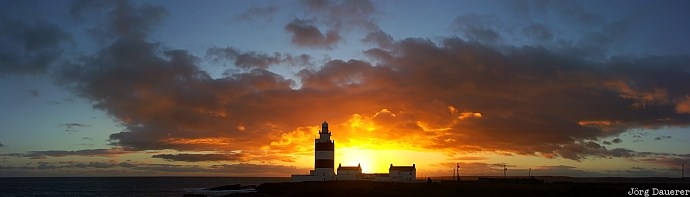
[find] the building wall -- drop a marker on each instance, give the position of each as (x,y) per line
(403,175)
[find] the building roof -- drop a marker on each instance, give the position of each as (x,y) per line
(349,168)
(402,168)
(341,167)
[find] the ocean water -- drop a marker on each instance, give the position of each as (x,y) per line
(123,186)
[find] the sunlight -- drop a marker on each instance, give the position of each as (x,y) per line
(378,161)
(358,122)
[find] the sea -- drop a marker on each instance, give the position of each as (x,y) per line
(125,186)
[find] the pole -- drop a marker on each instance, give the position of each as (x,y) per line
(457,169)
(682,174)
(504,171)
(530,173)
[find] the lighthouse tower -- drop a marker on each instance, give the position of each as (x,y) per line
(323,158)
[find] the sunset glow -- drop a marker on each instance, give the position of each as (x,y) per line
(241,88)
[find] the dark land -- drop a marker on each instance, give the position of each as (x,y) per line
(482,187)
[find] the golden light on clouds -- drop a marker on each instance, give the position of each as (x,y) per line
(198,141)
(376,140)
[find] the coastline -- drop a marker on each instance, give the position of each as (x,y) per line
(462,188)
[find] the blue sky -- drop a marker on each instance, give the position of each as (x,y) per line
(198,88)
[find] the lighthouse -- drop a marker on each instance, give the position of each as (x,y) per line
(323,154)
(324,165)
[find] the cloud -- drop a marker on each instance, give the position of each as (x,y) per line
(683,106)
(379,38)
(33,93)
(447,96)
(469,158)
(249,60)
(62,153)
(201,157)
(451,95)
(133,168)
(671,160)
(122,19)
(342,15)
(538,32)
(266,13)
(563,170)
(246,168)
(71,127)
(30,47)
(305,34)
(478,27)
(335,17)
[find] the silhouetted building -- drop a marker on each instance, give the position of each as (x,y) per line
(324,149)
(349,172)
(403,173)
(323,152)
(323,158)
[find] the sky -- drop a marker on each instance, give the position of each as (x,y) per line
(240,88)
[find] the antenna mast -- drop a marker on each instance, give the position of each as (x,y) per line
(457,169)
(504,170)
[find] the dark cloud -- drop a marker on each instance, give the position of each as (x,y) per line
(452,95)
(571,11)
(249,60)
(343,15)
(671,160)
(568,12)
(379,38)
(256,12)
(72,127)
(480,28)
(98,167)
(246,168)
(122,20)
(588,34)
(201,157)
(33,93)
(538,32)
(513,87)
(581,150)
(469,158)
(62,153)
(29,47)
(336,17)
(305,34)
(562,170)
